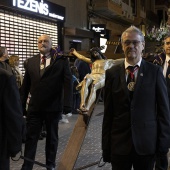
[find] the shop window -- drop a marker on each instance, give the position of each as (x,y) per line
(19,34)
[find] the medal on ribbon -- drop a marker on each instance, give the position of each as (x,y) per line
(131,78)
(42,66)
(131,86)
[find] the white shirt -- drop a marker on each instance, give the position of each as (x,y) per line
(48,59)
(165,67)
(136,72)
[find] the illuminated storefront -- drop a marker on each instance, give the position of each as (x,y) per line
(23,21)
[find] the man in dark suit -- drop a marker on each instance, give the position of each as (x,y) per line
(48,79)
(136,123)
(11,120)
(163,60)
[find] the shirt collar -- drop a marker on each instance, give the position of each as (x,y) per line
(47,55)
(127,64)
(167,58)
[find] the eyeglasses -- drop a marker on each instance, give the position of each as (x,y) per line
(127,42)
(167,43)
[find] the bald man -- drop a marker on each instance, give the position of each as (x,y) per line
(49,81)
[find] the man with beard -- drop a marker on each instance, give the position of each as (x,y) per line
(163,60)
(48,79)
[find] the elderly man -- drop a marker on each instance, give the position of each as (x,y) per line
(136,123)
(48,79)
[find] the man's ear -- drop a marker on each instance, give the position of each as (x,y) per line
(143,44)
(122,47)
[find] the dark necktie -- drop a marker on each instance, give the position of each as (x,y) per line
(131,79)
(168,72)
(43,60)
(42,65)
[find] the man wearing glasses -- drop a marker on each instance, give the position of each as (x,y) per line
(163,60)
(136,123)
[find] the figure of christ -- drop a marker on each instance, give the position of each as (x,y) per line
(96,79)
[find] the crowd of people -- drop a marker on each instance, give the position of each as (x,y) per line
(136,122)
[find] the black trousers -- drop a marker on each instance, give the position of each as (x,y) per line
(34,125)
(76,102)
(161,162)
(4,164)
(139,162)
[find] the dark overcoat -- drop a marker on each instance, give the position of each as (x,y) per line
(11,120)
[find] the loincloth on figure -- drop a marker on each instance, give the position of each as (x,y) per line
(95,77)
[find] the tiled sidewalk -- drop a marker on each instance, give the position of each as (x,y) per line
(91,149)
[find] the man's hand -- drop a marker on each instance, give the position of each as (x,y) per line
(72,50)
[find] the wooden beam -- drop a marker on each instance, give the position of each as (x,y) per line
(75,142)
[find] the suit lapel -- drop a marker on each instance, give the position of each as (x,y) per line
(140,77)
(52,62)
(36,65)
(123,79)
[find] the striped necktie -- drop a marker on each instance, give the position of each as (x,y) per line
(42,65)
(131,79)
(43,59)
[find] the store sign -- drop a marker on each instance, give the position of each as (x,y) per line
(32,5)
(37,7)
(40,7)
(99,28)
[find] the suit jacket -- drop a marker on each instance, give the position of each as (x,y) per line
(160,60)
(145,121)
(11,120)
(50,91)
(6,66)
